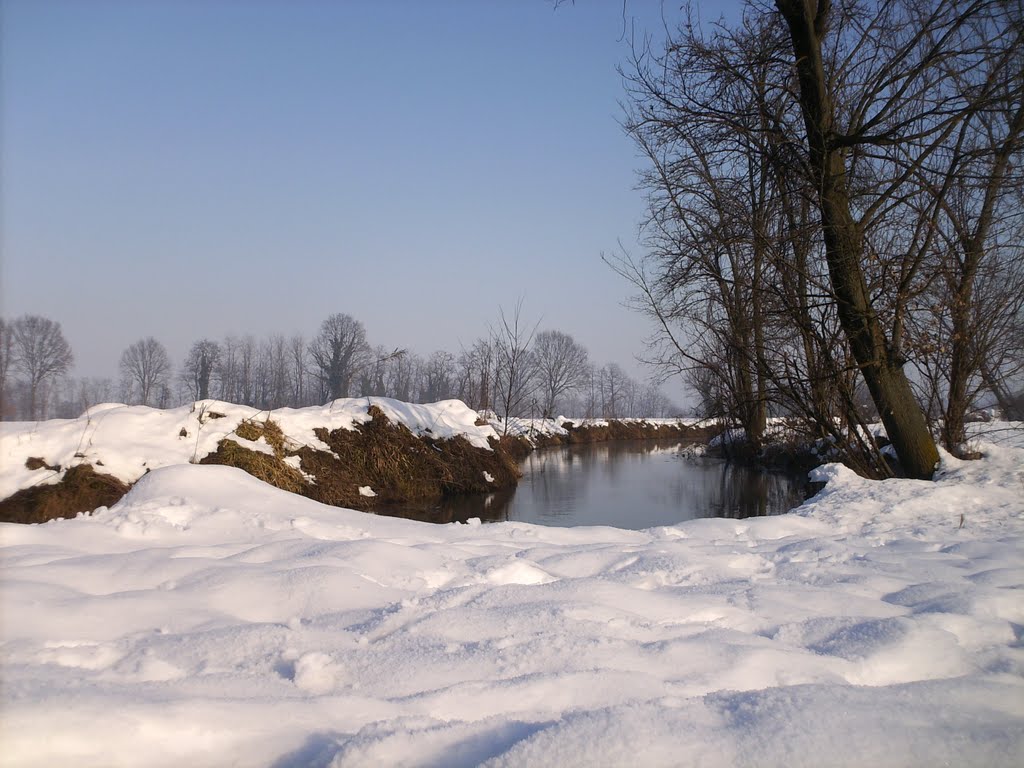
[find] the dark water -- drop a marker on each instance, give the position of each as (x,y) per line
(627,485)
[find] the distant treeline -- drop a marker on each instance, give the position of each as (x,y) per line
(513,370)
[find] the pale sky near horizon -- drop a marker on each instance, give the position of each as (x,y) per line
(188,169)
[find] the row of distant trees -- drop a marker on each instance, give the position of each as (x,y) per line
(513,370)
(835,199)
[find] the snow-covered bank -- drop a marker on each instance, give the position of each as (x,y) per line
(545,432)
(209,619)
(128,441)
(352,453)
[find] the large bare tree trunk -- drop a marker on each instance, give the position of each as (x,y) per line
(883,371)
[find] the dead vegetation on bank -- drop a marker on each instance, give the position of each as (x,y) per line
(399,467)
(615,429)
(377,462)
(82,489)
(269,467)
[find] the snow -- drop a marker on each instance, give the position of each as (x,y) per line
(260,445)
(127,441)
(209,619)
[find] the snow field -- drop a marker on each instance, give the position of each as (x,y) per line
(212,619)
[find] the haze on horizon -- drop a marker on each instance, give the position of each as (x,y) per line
(190,170)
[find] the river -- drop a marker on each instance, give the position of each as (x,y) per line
(626,484)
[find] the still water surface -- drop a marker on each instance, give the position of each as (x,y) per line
(627,485)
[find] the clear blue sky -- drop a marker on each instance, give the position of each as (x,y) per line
(194,168)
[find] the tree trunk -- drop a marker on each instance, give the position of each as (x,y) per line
(889,387)
(33,389)
(204,376)
(1004,399)
(961,365)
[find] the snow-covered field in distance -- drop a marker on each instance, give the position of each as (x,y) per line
(209,620)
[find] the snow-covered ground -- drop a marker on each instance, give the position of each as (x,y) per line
(211,620)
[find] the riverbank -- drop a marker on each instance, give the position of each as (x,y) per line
(352,453)
(782,449)
(525,435)
(785,447)
(357,453)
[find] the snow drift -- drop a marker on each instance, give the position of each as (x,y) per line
(213,620)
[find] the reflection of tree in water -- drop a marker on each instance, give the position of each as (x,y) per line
(557,481)
(714,488)
(744,492)
(617,458)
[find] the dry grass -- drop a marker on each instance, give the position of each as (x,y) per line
(34,463)
(269,430)
(82,489)
(629,430)
(263,466)
(519,447)
(399,466)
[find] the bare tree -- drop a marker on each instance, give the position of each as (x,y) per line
(971,308)
(247,362)
(228,370)
(200,365)
(883,92)
(477,365)
(275,350)
(707,114)
(339,352)
(1003,369)
(560,365)
(145,367)
(94,391)
(75,396)
(803,163)
(591,402)
(6,356)
(42,354)
(615,387)
(652,402)
(511,341)
(372,377)
(438,377)
(298,366)
(400,376)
